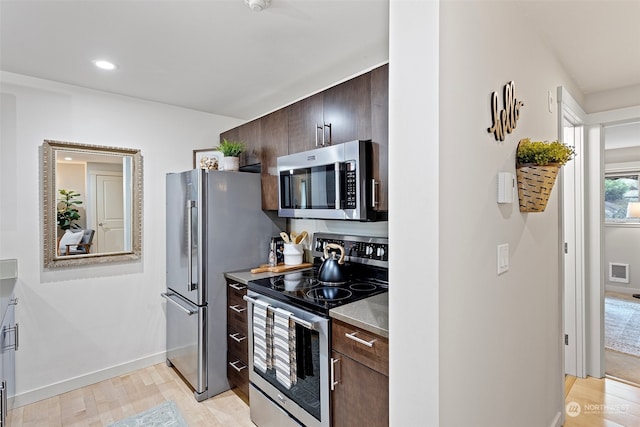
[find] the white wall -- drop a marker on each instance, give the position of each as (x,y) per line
(89,323)
(414,281)
(501,357)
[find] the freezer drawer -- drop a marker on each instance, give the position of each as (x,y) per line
(186,340)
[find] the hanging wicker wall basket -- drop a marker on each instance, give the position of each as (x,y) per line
(534,185)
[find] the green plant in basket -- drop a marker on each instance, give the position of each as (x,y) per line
(231,148)
(542,153)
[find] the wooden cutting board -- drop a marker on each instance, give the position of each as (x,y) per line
(280,268)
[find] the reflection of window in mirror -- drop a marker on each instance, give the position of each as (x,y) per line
(104,184)
(621,193)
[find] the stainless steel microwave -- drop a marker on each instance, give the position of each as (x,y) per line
(332,182)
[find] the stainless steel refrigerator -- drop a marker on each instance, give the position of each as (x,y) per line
(215,224)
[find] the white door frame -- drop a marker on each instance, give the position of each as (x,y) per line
(594,327)
(587,302)
(572,212)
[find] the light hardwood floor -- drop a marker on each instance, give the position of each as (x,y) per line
(117,398)
(602,402)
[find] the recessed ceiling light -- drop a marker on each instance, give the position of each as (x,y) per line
(105,65)
(68,159)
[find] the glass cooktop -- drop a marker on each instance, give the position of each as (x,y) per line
(302,289)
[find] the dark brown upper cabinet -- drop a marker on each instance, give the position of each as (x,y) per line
(355,109)
(339,114)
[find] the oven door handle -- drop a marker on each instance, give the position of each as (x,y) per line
(299,321)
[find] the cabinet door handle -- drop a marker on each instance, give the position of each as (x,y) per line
(8,330)
(233,365)
(236,309)
(235,337)
(328,142)
(15,337)
(321,129)
(334,383)
(360,340)
(237,286)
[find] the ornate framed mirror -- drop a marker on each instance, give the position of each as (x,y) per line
(92,204)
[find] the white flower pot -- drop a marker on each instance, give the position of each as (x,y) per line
(230,163)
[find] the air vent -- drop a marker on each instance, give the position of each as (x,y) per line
(618,272)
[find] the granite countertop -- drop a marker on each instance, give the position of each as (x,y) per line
(370,314)
(244,276)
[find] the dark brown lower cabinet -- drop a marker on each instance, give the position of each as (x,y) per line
(360,393)
(237,351)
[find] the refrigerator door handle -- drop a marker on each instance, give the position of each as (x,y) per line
(190,285)
(168,297)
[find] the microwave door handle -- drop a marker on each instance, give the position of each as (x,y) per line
(338,186)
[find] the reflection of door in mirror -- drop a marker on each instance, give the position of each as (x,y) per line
(110,218)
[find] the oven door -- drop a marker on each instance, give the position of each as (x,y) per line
(307,400)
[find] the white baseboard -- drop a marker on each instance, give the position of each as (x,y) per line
(557,420)
(55,389)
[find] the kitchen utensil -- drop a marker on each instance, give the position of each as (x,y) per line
(293,235)
(332,270)
(301,237)
(285,237)
(293,253)
(280,268)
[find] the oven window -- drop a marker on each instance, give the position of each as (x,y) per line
(308,188)
(306,391)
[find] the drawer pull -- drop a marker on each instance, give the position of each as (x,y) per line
(235,337)
(360,340)
(237,308)
(334,383)
(233,365)
(237,286)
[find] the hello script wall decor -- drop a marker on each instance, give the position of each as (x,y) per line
(504,121)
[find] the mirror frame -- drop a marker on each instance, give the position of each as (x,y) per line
(49,203)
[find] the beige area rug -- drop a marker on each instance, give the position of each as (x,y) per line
(622,324)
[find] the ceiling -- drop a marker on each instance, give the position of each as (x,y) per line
(218,56)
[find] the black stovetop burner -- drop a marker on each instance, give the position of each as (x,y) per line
(367,264)
(303,289)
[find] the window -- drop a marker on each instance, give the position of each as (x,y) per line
(620,189)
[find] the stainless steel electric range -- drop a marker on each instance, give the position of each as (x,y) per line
(296,391)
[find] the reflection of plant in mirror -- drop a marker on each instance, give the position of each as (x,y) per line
(68,209)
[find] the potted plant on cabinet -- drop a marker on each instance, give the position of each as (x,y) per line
(537,166)
(231,151)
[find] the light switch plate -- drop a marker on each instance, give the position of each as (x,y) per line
(503,258)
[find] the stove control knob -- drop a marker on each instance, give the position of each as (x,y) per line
(369,250)
(380,252)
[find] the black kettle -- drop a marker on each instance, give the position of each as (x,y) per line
(333,271)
